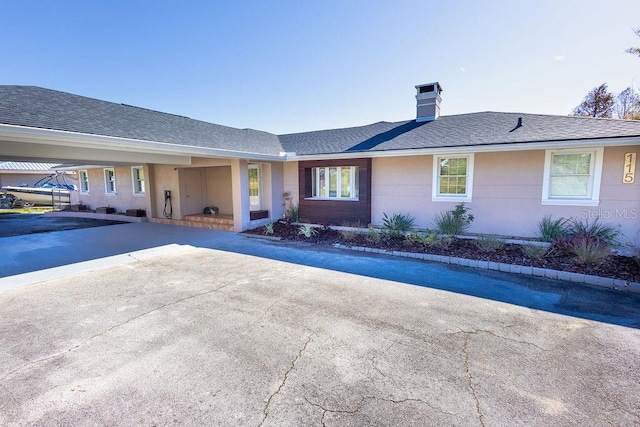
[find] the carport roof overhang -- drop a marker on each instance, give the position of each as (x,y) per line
(35,144)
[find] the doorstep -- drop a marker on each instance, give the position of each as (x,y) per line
(604,282)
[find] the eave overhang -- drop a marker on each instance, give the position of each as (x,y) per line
(158,152)
(479,148)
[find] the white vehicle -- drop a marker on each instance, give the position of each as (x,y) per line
(48,191)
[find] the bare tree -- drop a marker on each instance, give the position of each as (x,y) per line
(598,103)
(627,105)
(634,50)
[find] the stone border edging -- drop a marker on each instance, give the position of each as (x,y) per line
(605,282)
(93,215)
(258,236)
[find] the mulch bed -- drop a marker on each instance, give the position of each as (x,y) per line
(619,267)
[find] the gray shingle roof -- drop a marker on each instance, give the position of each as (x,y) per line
(50,109)
(485,128)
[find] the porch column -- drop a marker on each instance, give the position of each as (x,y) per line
(240,190)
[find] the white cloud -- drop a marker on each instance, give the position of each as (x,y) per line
(558,58)
(463,70)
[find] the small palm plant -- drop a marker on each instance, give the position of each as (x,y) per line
(397,224)
(454,221)
(268,229)
(307,231)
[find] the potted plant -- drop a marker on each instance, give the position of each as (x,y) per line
(212,210)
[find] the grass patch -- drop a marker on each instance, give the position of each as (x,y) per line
(489,243)
(29,210)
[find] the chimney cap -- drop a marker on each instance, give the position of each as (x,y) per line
(428,101)
(429,87)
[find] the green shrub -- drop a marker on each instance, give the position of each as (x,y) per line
(454,221)
(635,247)
(550,229)
(373,235)
(352,224)
(534,251)
(590,243)
(307,231)
(420,239)
(268,229)
(489,243)
(589,251)
(348,235)
(397,223)
(605,233)
(442,242)
(292,213)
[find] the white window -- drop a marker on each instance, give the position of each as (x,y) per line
(335,182)
(83,178)
(572,177)
(452,178)
(254,188)
(137,175)
(109,181)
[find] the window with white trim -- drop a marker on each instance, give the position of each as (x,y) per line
(109,181)
(572,177)
(137,176)
(452,177)
(335,182)
(83,179)
(254,188)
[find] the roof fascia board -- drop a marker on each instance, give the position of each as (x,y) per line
(58,137)
(543,145)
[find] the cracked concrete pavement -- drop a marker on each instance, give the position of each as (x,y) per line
(202,336)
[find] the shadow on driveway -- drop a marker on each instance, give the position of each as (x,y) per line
(23,254)
(20,224)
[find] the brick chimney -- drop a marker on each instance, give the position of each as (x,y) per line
(428,102)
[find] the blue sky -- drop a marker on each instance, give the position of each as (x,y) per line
(290,66)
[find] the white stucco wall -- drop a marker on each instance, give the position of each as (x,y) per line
(290,181)
(507,192)
(122,199)
(165,177)
(218,188)
(277,184)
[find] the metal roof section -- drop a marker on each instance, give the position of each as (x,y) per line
(27,167)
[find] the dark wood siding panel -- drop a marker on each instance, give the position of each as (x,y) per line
(335,212)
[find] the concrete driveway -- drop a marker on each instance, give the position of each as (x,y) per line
(21,224)
(283,335)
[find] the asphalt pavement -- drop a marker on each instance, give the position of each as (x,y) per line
(147,324)
(21,224)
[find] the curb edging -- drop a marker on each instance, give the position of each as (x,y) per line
(603,282)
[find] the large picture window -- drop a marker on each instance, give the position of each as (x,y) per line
(452,177)
(335,182)
(572,177)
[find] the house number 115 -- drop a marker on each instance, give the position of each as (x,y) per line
(629,168)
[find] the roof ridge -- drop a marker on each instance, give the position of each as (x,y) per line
(153,111)
(346,128)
